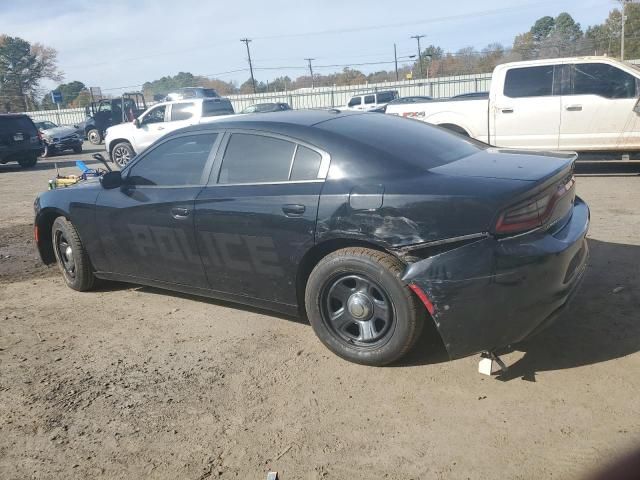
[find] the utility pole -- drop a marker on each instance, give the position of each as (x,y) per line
(311,71)
(418,37)
(623,21)
(395,57)
(253,80)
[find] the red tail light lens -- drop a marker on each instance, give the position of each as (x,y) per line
(533,212)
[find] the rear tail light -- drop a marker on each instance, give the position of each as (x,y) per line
(36,234)
(423,297)
(533,212)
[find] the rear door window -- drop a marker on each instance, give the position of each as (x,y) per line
(212,108)
(603,80)
(182,111)
(17,124)
(256,159)
(386,97)
(369,99)
(529,82)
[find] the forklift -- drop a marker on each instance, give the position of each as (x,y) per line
(104,113)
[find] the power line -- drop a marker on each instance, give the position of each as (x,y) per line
(253,80)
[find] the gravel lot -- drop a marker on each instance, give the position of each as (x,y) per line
(131,382)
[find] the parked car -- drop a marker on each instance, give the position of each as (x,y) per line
(58,139)
(401,100)
(547,104)
(266,108)
(126,140)
(369,224)
(191,92)
(471,95)
(371,101)
(19,140)
(413,99)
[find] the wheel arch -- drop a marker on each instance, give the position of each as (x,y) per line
(116,141)
(313,256)
(455,128)
(44,223)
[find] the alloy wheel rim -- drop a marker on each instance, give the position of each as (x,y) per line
(121,156)
(357,310)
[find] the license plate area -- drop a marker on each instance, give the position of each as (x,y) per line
(18,137)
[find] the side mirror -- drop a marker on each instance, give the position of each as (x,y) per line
(111,180)
(136,122)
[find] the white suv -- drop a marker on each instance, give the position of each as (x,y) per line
(126,140)
(372,101)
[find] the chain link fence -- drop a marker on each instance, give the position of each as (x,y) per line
(320,97)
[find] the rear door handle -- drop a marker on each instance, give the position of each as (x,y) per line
(573,108)
(180,213)
(160,128)
(506,110)
(293,209)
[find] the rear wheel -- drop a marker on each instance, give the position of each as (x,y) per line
(94,136)
(28,162)
(359,307)
(122,154)
(71,255)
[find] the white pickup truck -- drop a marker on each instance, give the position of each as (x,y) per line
(126,140)
(581,104)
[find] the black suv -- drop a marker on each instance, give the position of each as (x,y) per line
(19,140)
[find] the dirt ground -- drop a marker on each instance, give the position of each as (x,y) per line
(131,382)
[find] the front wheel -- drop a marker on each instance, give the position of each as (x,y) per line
(28,162)
(360,309)
(71,255)
(94,136)
(122,154)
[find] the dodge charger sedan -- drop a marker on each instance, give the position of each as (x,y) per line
(370,225)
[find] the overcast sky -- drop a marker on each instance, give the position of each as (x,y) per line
(120,43)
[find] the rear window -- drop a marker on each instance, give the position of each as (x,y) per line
(412,141)
(529,82)
(16,124)
(386,97)
(213,109)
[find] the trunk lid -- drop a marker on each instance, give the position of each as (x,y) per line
(506,164)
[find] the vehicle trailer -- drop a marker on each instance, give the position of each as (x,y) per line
(107,112)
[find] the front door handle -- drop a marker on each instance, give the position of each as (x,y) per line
(160,128)
(180,213)
(573,108)
(506,110)
(293,209)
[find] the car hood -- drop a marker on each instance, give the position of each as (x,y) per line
(59,131)
(508,164)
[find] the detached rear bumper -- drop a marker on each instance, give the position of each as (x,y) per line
(493,293)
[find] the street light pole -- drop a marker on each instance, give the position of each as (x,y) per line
(253,80)
(311,71)
(418,37)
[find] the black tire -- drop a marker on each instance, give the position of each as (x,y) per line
(77,149)
(122,154)
(94,136)
(356,270)
(28,162)
(74,263)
